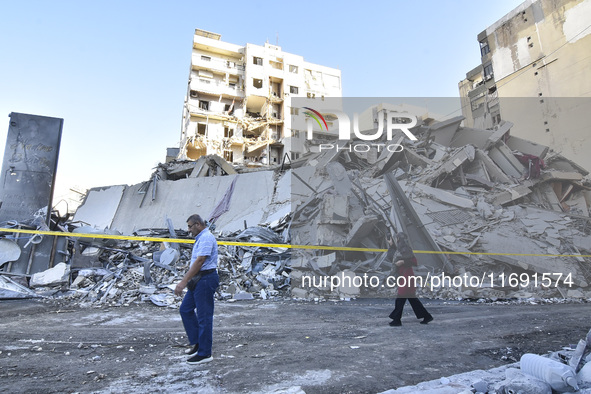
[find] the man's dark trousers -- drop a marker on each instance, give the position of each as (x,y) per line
(199,326)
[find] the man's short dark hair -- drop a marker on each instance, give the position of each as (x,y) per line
(196,219)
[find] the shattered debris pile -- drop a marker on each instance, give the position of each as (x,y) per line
(134,271)
(475,203)
(483,203)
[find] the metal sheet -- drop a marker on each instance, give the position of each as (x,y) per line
(449,217)
(9,251)
(37,256)
(29,166)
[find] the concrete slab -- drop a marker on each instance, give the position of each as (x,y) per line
(283,188)
(451,164)
(511,194)
(527,147)
(497,134)
(177,200)
(504,158)
(475,137)
(100,206)
(492,169)
(505,238)
(562,176)
(445,197)
(444,131)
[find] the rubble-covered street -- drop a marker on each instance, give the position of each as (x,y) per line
(275,346)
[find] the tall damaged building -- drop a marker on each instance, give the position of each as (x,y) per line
(534,72)
(238,100)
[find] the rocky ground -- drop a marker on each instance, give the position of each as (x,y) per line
(271,346)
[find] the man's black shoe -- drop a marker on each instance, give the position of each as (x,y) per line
(197,359)
(192,351)
(395,323)
(427,320)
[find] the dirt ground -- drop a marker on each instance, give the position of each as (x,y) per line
(270,346)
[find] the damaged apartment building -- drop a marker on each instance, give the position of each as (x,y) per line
(238,100)
(534,71)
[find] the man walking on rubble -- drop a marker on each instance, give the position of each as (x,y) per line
(201,281)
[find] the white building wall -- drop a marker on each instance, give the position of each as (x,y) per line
(229,71)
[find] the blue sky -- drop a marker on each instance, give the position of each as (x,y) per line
(117,71)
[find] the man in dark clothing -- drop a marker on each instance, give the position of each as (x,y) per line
(404,259)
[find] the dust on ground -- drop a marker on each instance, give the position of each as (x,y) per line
(267,346)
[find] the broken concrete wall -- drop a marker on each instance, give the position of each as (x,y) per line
(177,200)
(100,206)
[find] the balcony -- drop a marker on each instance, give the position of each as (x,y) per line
(478,91)
(275,97)
(216,64)
(215,86)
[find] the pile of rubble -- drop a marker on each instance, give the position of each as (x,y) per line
(567,370)
(133,271)
(464,196)
(475,203)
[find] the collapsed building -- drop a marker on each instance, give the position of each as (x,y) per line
(481,203)
(238,101)
(493,203)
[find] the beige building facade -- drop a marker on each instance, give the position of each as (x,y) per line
(536,73)
(238,102)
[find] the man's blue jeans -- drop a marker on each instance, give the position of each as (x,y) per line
(199,326)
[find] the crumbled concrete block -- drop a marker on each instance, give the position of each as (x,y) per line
(232,289)
(575,293)
(578,354)
(147,289)
(481,386)
(53,276)
(348,285)
(484,209)
(79,280)
(518,382)
(326,261)
(299,293)
(169,256)
(243,295)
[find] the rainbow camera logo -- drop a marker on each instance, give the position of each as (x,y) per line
(315,115)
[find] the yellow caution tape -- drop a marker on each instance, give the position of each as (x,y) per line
(269,245)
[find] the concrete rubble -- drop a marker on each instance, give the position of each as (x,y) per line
(511,378)
(143,271)
(472,192)
(466,193)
